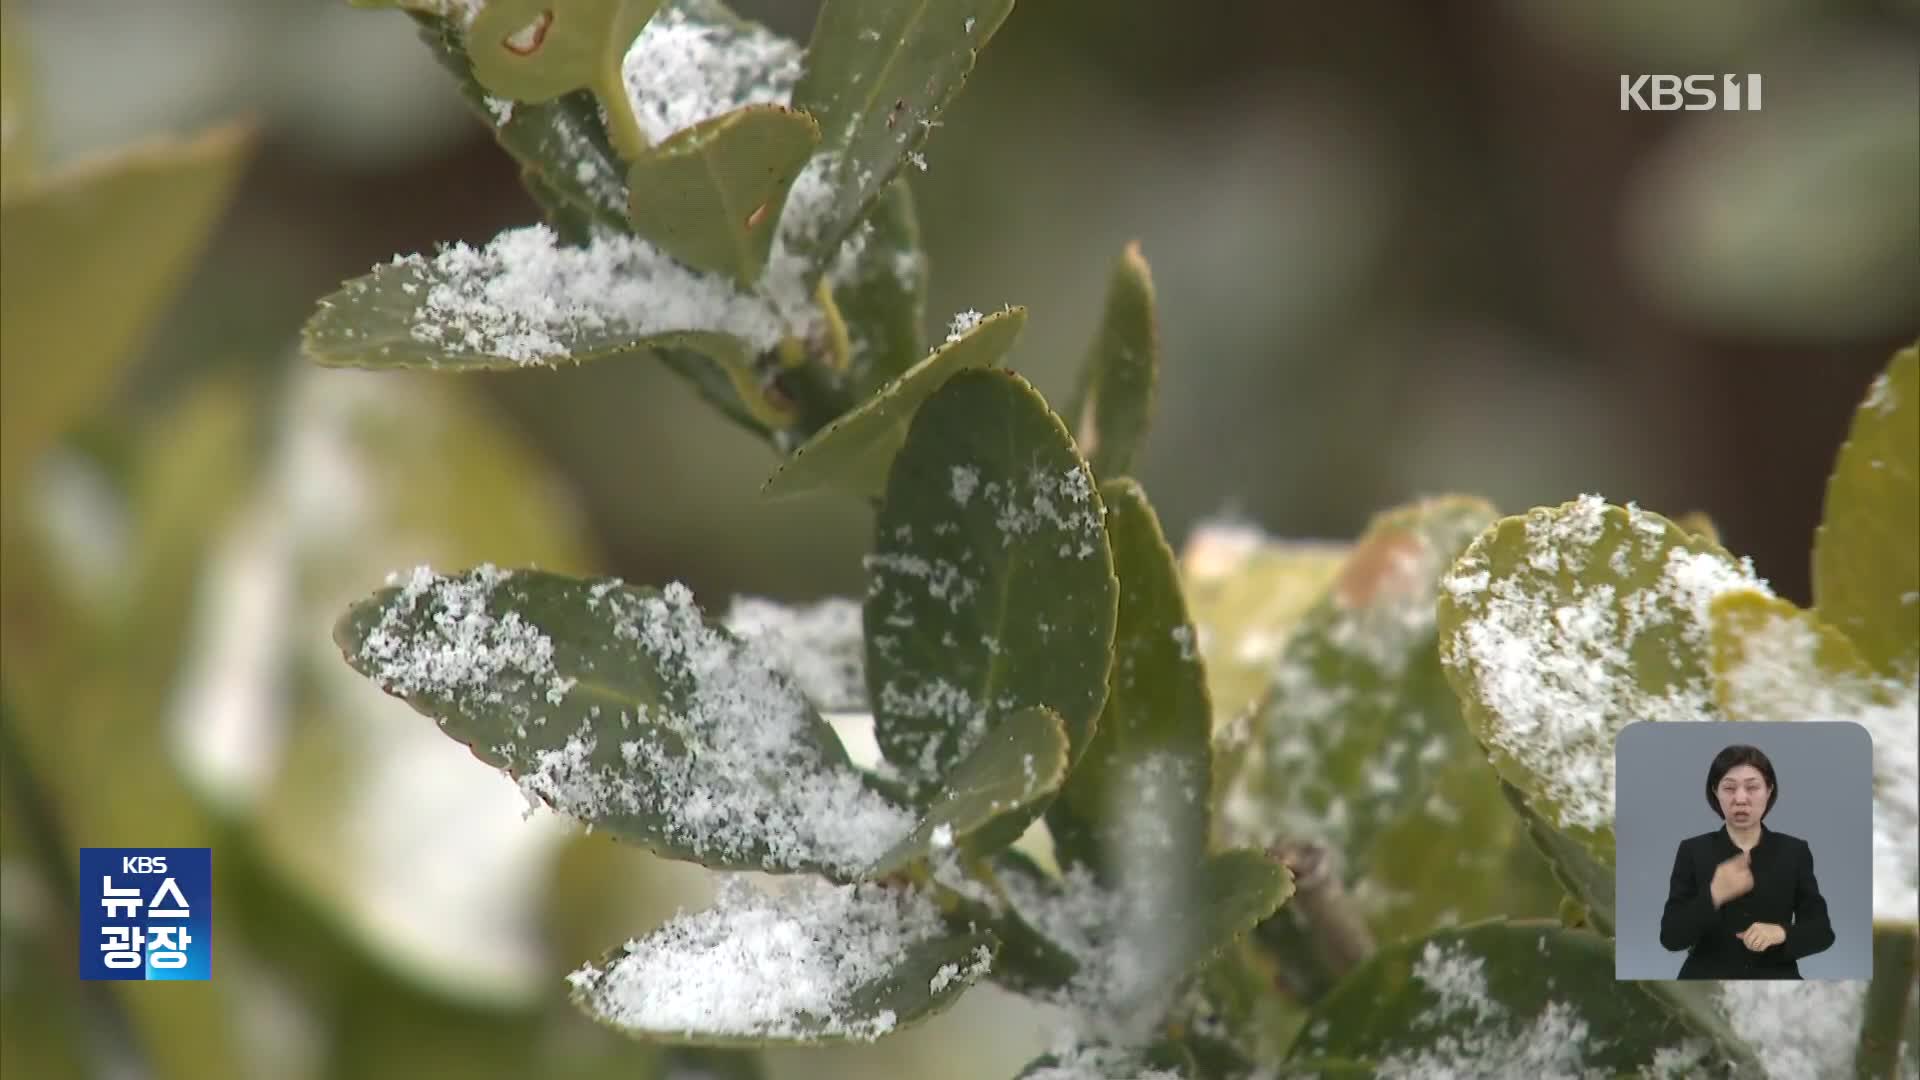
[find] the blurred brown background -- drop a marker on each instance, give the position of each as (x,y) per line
(1400,248)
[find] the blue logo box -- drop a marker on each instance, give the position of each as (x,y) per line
(146,913)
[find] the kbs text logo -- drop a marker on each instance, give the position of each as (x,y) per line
(1695,93)
(146,913)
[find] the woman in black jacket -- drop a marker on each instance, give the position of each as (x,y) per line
(1743,901)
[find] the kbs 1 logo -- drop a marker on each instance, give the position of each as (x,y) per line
(1694,93)
(146,913)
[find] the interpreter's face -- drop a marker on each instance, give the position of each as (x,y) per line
(1743,796)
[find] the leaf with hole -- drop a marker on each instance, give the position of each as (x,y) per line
(560,144)
(711,194)
(537,50)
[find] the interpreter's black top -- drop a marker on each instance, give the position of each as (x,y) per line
(1784,893)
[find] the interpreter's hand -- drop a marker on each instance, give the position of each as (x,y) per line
(1732,878)
(1762,936)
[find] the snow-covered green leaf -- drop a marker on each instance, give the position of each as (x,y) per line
(1774,663)
(1502,998)
(1559,627)
(1117,955)
(854,452)
(878,74)
(810,963)
(990,584)
(1151,747)
(1113,403)
(525,299)
(1019,761)
(626,709)
(1361,748)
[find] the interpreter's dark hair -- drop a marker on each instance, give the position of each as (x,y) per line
(1732,758)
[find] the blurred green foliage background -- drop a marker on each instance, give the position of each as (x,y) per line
(1400,248)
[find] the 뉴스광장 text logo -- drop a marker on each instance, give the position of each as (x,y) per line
(1695,93)
(146,913)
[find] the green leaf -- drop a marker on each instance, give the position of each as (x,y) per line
(878,74)
(1020,761)
(1248,591)
(1119,955)
(855,451)
(628,710)
(1150,754)
(1362,749)
(524,300)
(1498,998)
(990,586)
(812,964)
(561,145)
(1232,1018)
(883,297)
(537,50)
(1584,875)
(1701,1008)
(91,256)
(1562,626)
(1866,552)
(1113,402)
(1774,663)
(1890,1002)
(710,195)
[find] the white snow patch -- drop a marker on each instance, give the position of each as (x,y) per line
(767,965)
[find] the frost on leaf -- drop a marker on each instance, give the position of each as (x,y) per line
(1504,1001)
(819,645)
(1353,731)
(977,610)
(473,656)
(1776,663)
(627,710)
(1799,1030)
(693,62)
(1560,627)
(811,962)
